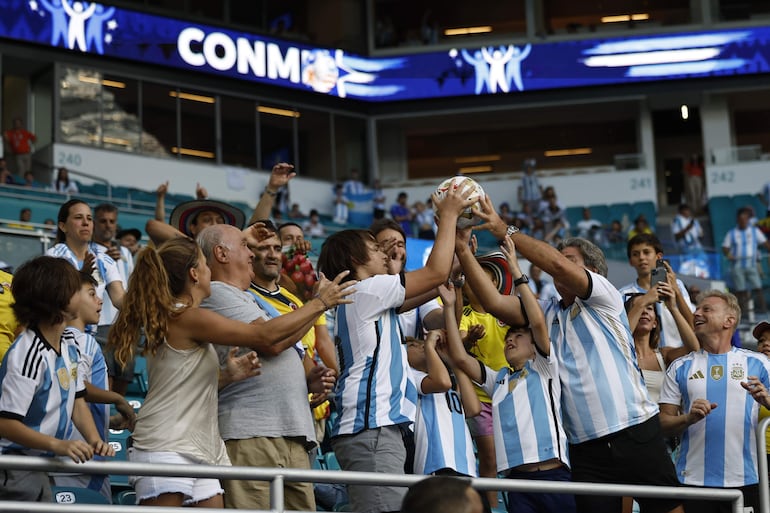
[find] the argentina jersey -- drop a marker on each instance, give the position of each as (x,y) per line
(374,388)
(719,450)
(38,387)
(602,387)
(93,369)
(441,437)
(526,415)
(743,245)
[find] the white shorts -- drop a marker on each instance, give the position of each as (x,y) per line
(193,489)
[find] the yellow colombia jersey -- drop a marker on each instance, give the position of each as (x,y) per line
(490,349)
(8,322)
(286,302)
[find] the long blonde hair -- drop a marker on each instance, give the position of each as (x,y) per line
(155,291)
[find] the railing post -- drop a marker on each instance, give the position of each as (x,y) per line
(764,492)
(276,494)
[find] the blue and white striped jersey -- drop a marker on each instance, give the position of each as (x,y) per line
(530,187)
(743,245)
(125,267)
(526,413)
(691,240)
(721,449)
(602,387)
(105,269)
(441,436)
(669,333)
(38,387)
(93,369)
(374,388)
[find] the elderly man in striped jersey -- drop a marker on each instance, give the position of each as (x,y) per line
(712,397)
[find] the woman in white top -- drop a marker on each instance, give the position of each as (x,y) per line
(645,326)
(63,182)
(178,422)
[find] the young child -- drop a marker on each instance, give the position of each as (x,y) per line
(93,369)
(443,444)
(41,390)
(530,442)
(341,205)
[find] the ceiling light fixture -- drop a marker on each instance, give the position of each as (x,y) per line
(477,158)
(464,31)
(193,153)
(568,152)
(192,97)
(108,83)
(474,169)
(278,112)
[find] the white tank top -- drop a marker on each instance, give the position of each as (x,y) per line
(653,379)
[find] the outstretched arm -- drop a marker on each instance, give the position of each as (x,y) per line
(437,379)
(528,301)
(568,273)
(281,174)
(460,358)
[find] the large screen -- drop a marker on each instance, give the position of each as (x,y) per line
(89,27)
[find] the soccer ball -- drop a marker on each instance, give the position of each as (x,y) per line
(467,218)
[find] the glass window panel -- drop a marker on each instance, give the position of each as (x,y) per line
(239,132)
(567,16)
(198,124)
(314,145)
(79,100)
(350,145)
(158,119)
(121,128)
(276,133)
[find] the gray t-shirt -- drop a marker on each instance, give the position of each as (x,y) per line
(273,404)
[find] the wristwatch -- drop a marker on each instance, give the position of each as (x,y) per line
(521,280)
(508,232)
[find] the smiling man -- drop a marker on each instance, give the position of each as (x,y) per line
(712,397)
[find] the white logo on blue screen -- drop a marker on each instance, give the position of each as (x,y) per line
(496,69)
(321,70)
(78,25)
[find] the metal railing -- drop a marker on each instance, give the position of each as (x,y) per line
(277,477)
(764,491)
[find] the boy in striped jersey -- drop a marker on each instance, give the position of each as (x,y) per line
(530,442)
(93,368)
(705,399)
(610,421)
(443,444)
(41,391)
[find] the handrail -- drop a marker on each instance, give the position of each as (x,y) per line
(94,178)
(278,476)
(764,491)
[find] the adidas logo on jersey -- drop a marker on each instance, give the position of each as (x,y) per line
(697,375)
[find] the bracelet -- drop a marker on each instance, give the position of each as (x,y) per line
(269,192)
(319,298)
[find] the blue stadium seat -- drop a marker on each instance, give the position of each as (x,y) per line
(125,498)
(76,495)
(574,214)
(138,387)
(648,209)
(601,213)
(330,459)
(619,210)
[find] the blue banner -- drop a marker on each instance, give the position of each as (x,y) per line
(89,27)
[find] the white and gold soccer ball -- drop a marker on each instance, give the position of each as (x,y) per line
(467,218)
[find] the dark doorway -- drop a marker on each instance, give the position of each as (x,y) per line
(677,136)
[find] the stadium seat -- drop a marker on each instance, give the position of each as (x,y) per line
(648,209)
(125,498)
(138,387)
(76,495)
(620,210)
(601,213)
(331,462)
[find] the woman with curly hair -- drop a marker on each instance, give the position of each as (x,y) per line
(178,420)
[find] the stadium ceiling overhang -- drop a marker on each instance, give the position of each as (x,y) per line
(92,28)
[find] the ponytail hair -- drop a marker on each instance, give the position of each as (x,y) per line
(155,291)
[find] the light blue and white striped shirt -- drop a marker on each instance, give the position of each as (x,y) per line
(530,187)
(374,388)
(125,267)
(669,332)
(743,245)
(691,240)
(38,387)
(602,387)
(526,413)
(441,436)
(721,449)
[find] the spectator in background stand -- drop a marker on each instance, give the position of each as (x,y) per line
(51,226)
(764,195)
(694,182)
(313,227)
(530,191)
(378,200)
(740,246)
(640,226)
(525,218)
(295,212)
(6,178)
(29,180)
(544,289)
(423,219)
(353,185)
(130,239)
(19,139)
(614,234)
(505,212)
(63,183)
(687,231)
(341,205)
(25,217)
(588,227)
(401,214)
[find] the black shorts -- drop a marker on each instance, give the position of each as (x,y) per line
(634,455)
